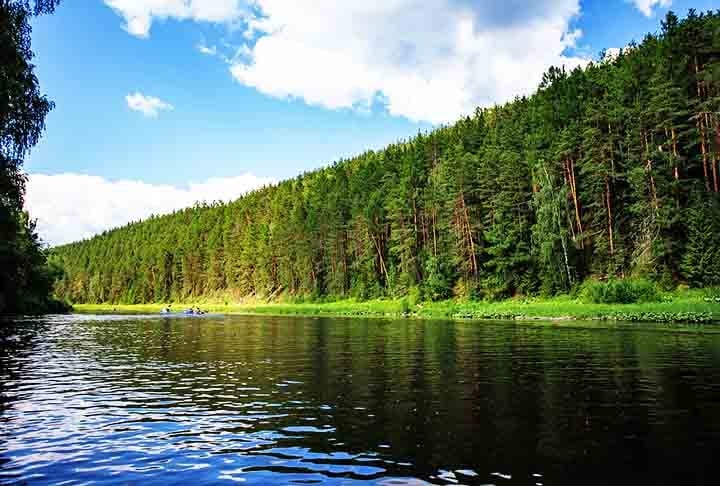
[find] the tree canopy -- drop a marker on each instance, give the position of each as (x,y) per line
(609,170)
(25,280)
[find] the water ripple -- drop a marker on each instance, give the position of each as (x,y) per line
(117,399)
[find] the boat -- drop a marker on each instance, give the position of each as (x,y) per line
(166,311)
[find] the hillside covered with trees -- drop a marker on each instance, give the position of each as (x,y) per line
(607,171)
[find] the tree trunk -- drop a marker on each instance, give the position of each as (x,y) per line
(383,269)
(609,215)
(566,179)
(558,219)
(713,158)
(434,231)
(415,216)
(576,204)
(703,148)
(468,229)
(649,168)
(676,171)
(697,80)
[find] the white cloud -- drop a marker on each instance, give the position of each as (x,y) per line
(612,53)
(207,50)
(647,6)
(70,206)
(139,14)
(431,60)
(149,106)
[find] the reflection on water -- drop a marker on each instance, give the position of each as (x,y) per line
(289,400)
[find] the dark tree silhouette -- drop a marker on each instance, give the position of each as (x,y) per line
(25,280)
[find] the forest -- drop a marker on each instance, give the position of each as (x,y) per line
(609,171)
(26,279)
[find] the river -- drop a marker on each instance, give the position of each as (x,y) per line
(262,400)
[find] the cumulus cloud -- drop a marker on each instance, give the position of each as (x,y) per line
(139,14)
(149,106)
(647,6)
(612,53)
(69,207)
(430,60)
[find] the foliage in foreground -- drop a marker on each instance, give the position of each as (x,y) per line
(608,171)
(617,291)
(26,280)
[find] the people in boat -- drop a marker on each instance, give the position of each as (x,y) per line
(196,311)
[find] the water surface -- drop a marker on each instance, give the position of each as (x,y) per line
(152,400)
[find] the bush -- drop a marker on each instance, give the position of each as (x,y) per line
(465,290)
(619,291)
(404,307)
(711,294)
(414,296)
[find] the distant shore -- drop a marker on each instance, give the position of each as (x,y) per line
(688,309)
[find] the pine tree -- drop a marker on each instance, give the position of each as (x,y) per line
(605,172)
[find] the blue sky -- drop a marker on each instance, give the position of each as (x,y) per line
(281,88)
(87,64)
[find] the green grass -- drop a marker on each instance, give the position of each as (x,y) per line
(686,306)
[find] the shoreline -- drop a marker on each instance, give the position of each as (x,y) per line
(677,311)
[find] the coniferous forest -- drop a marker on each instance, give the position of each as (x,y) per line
(608,171)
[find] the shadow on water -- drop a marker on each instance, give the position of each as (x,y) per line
(282,400)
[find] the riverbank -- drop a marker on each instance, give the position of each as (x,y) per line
(690,308)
